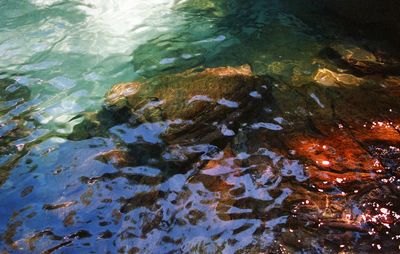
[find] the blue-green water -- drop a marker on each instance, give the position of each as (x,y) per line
(59,58)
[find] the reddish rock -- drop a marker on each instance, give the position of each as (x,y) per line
(334,158)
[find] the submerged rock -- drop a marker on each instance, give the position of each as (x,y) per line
(347,137)
(360,61)
(327,77)
(13,126)
(12,94)
(194,105)
(339,157)
(335,128)
(189,110)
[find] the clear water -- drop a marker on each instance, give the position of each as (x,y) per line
(59,58)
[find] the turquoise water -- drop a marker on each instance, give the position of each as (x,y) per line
(59,58)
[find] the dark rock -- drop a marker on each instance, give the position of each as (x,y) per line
(360,61)
(384,12)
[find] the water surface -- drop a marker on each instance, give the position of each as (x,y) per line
(259,192)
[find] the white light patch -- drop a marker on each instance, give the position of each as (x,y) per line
(117,26)
(316,99)
(200,98)
(168,60)
(228,103)
(269,126)
(255,94)
(227,132)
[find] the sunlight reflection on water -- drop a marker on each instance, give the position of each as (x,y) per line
(76,62)
(116,26)
(287,174)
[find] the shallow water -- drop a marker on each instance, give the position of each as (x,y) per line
(127,191)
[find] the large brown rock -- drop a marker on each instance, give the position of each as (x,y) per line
(197,106)
(193,108)
(186,95)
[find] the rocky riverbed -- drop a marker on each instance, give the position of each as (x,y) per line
(341,125)
(240,127)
